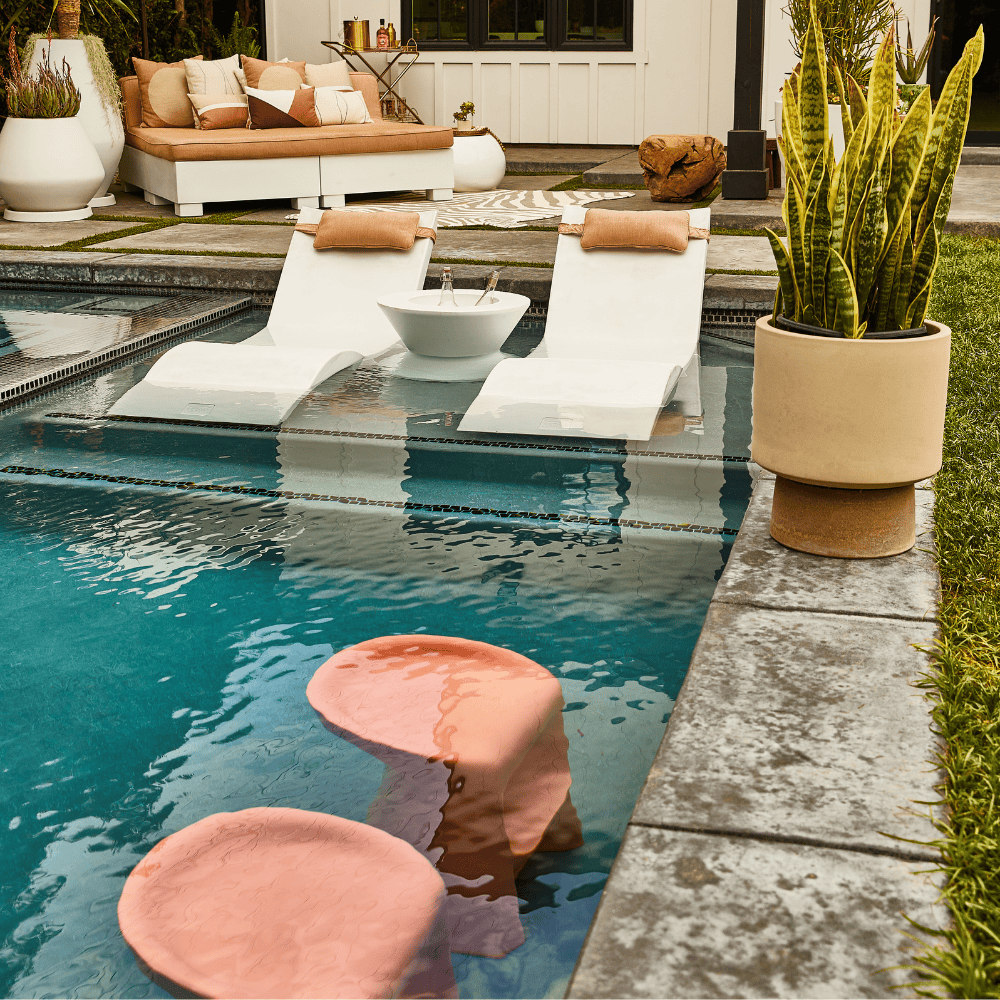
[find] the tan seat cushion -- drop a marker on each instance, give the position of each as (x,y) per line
(182,145)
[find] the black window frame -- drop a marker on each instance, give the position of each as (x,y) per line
(555,33)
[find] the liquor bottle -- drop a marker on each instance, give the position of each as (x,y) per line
(381,36)
(447,289)
(392,36)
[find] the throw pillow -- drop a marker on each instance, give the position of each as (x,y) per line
(215,76)
(263,75)
(281,108)
(163,94)
(341,107)
(333,74)
(219,110)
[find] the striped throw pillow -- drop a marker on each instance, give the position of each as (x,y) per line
(336,106)
(219,110)
(214,76)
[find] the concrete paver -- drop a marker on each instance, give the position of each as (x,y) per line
(740,253)
(198,237)
(790,726)
(975,200)
(53,234)
(620,170)
(767,574)
(706,916)
(575,159)
(544,182)
(510,245)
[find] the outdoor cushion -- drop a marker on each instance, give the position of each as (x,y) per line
(213,111)
(342,230)
(332,74)
(181,145)
(341,107)
(263,75)
(281,108)
(212,76)
(606,229)
(163,94)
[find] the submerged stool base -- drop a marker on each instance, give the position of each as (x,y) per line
(845,524)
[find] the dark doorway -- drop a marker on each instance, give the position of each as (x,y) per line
(958,22)
(249,11)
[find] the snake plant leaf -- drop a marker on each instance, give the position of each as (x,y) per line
(907,155)
(843,291)
(885,281)
(882,82)
(856,97)
(797,249)
(817,228)
(901,284)
(813,111)
(786,279)
(838,205)
(791,132)
(846,121)
(868,249)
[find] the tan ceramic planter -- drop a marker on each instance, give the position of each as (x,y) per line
(851,414)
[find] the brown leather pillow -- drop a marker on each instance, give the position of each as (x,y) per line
(340,230)
(606,229)
(163,93)
(282,108)
(264,75)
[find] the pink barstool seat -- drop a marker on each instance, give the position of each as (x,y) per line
(477,775)
(287,903)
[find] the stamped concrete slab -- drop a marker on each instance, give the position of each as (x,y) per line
(572,159)
(800,725)
(544,182)
(53,234)
(975,200)
(740,253)
(686,915)
(767,574)
(198,237)
(620,170)
(511,245)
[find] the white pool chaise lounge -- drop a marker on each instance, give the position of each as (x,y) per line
(325,317)
(621,332)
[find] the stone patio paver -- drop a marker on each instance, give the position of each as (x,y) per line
(53,234)
(199,237)
(540,159)
(705,916)
(545,182)
(623,169)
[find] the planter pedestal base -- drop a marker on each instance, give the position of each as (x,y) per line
(72,215)
(848,524)
(105,201)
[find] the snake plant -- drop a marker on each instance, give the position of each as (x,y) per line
(864,232)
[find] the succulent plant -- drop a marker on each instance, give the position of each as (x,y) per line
(49,93)
(909,64)
(864,232)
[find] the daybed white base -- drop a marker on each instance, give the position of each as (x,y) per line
(304,180)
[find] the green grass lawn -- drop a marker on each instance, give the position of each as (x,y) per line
(966,683)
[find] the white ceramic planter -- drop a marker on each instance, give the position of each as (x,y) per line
(479,162)
(49,170)
(102,125)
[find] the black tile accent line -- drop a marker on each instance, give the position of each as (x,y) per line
(89,365)
(614,522)
(476,442)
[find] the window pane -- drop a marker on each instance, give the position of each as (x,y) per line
(580,20)
(425,20)
(530,20)
(452,27)
(454,20)
(502,19)
(516,20)
(610,20)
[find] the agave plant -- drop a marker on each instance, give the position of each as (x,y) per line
(864,232)
(50,93)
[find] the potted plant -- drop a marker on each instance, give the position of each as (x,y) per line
(850,379)
(94,77)
(911,65)
(49,169)
(480,162)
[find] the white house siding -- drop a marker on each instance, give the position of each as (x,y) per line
(678,78)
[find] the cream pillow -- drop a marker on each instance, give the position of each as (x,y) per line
(333,74)
(219,110)
(341,107)
(215,76)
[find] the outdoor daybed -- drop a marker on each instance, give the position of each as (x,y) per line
(313,166)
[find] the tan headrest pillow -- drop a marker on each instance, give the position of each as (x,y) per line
(264,75)
(341,230)
(606,229)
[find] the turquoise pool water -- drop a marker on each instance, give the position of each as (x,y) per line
(160,637)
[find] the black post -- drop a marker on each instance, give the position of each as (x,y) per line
(746,174)
(145,36)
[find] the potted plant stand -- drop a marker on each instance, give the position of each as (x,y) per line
(848,426)
(101,122)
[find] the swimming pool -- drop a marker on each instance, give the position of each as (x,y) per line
(171,588)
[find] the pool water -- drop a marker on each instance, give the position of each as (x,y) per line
(161,636)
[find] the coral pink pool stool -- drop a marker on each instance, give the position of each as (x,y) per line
(477,775)
(287,903)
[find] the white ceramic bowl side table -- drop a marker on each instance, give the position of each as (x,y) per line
(49,170)
(480,163)
(452,343)
(102,125)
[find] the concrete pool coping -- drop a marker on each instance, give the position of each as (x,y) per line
(760,859)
